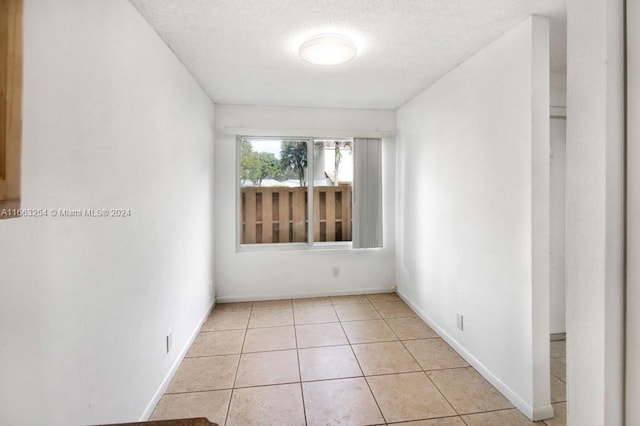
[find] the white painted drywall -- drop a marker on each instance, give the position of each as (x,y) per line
(558,94)
(633,214)
(595,231)
(557,279)
(111,120)
(300,273)
(473,211)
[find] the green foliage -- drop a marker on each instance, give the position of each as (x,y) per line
(293,158)
(248,160)
(256,166)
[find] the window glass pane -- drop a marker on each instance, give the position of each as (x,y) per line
(333,182)
(273,185)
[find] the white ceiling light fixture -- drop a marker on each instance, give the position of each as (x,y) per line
(327,49)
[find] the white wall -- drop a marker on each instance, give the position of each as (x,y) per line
(473,211)
(557,273)
(558,89)
(557,279)
(633,214)
(111,120)
(301,273)
(595,175)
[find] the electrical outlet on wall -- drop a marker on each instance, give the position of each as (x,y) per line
(335,271)
(460,321)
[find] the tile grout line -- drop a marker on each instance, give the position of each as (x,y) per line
(356,357)
(367,382)
(351,346)
(398,339)
(360,367)
(384,374)
(438,369)
(235,377)
(443,395)
(427,419)
(401,342)
(540,422)
(362,370)
(422,370)
(295,335)
(419,365)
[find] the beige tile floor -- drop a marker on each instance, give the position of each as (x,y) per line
(558,383)
(348,360)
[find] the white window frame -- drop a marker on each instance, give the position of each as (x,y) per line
(300,134)
(310,243)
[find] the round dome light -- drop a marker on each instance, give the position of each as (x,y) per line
(327,49)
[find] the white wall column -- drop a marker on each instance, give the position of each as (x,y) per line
(633,214)
(595,225)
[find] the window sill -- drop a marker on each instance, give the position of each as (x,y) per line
(273,248)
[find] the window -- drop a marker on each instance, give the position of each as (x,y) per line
(300,190)
(273,182)
(10,104)
(332,189)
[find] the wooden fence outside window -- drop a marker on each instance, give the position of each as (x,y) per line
(279,215)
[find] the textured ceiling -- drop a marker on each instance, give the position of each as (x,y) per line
(245,51)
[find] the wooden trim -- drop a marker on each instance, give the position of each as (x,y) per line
(9,209)
(10,98)
(4,65)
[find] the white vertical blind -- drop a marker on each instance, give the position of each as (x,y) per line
(367,198)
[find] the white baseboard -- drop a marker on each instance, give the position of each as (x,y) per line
(304,295)
(172,371)
(534,414)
